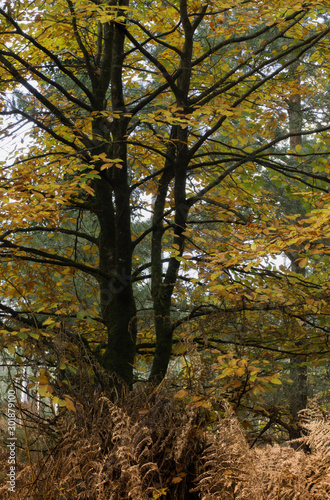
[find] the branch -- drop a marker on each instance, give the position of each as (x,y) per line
(157,38)
(251,157)
(245,38)
(48,258)
(48,80)
(82,47)
(85,236)
(170,81)
(31,321)
(54,58)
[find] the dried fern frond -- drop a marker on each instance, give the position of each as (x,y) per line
(233,471)
(148,444)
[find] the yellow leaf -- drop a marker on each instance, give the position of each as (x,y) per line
(159,493)
(240,372)
(42,390)
(48,321)
(275,380)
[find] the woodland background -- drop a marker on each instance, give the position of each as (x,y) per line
(164,247)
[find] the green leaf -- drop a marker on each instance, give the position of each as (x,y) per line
(275,380)
(11,349)
(22,335)
(34,335)
(81,314)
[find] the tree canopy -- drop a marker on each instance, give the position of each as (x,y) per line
(153,151)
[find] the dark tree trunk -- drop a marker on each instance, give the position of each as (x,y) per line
(112,208)
(116,295)
(178,154)
(298,393)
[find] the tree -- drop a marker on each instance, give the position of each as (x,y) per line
(121,104)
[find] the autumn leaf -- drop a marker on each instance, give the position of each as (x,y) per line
(181,394)
(69,404)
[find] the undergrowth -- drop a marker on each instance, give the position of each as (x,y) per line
(149,444)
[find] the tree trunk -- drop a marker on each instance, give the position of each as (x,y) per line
(112,207)
(178,154)
(116,294)
(162,289)
(298,368)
